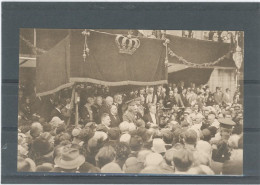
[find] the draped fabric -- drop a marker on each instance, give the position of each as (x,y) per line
(52,69)
(200,51)
(106,66)
(63,65)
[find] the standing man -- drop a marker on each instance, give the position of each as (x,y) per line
(115,121)
(118,100)
(218,96)
(226,97)
(177,97)
(151,119)
(130,114)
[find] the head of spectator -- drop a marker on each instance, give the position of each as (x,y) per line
(105,155)
(206,135)
(182,160)
(99,100)
(69,159)
(125,138)
(132,165)
(111,167)
(124,127)
(113,110)
(152,108)
(136,143)
(45,167)
(88,168)
(153,159)
(56,121)
(118,99)
(211,118)
(109,101)
(190,138)
(25,165)
(113,134)
(105,119)
(158,146)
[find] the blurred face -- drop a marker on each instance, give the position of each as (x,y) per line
(133,108)
(99,100)
(109,101)
(118,99)
(175,90)
(113,110)
(90,100)
(211,118)
(171,93)
(142,91)
(68,100)
(106,121)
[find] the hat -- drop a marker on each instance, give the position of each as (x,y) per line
(75,132)
(102,128)
(132,165)
(158,146)
(69,158)
(111,168)
(153,159)
(184,123)
(204,146)
(25,165)
(141,156)
(226,122)
(113,133)
(56,121)
(125,138)
(124,126)
(100,135)
(45,167)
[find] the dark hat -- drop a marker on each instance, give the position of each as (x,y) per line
(226,122)
(113,133)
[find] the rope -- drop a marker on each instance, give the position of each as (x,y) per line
(35,49)
(184,61)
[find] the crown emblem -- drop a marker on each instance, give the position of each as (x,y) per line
(127,44)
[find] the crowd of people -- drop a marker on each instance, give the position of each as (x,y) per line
(171,129)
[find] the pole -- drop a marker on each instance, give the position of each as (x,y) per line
(77,110)
(71,103)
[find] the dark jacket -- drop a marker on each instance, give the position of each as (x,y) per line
(115,120)
(148,118)
(56,113)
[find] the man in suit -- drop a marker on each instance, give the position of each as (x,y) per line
(151,119)
(115,120)
(218,96)
(180,87)
(105,108)
(87,113)
(130,114)
(177,97)
(56,112)
(227,97)
(118,100)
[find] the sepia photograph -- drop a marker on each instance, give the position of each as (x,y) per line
(117,101)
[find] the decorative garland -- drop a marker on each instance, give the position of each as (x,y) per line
(184,61)
(36,50)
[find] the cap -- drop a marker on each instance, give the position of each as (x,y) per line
(226,122)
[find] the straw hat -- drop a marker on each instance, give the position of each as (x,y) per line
(69,159)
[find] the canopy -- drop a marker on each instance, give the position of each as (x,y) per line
(63,65)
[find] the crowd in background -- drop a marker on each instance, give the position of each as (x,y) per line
(171,129)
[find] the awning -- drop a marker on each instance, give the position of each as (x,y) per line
(64,65)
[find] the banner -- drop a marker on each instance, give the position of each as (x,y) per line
(52,69)
(105,65)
